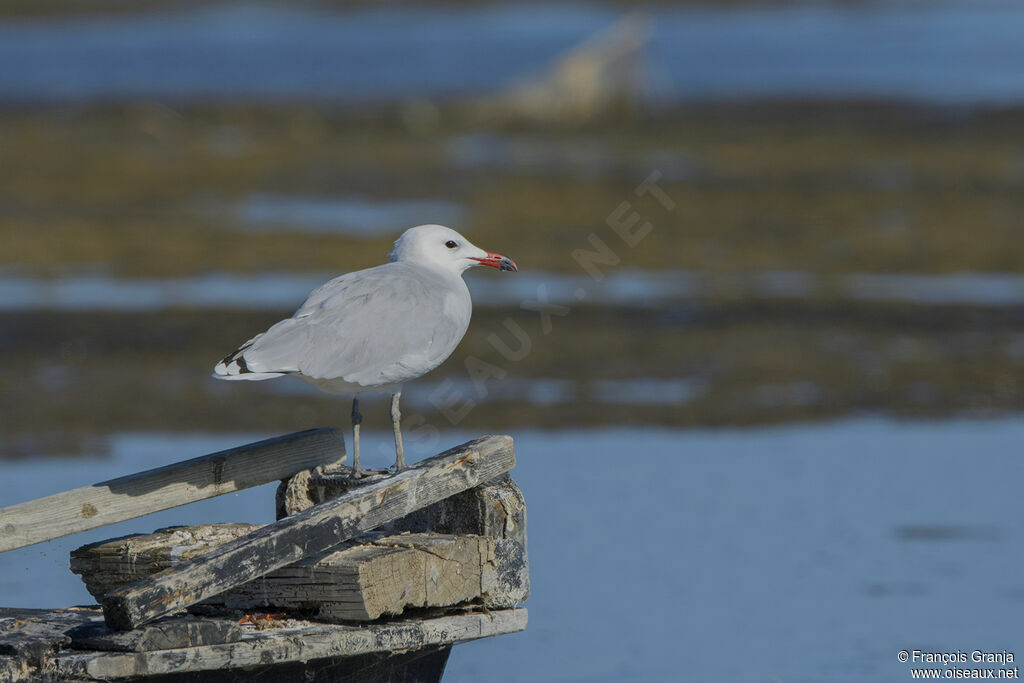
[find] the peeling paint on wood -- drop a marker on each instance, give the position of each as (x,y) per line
(373,575)
(163,634)
(296,641)
(109,565)
(223,647)
(31,635)
(496,509)
(310,531)
(480,563)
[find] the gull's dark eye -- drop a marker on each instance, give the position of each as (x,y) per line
(451,244)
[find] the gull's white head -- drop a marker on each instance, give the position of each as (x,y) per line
(442,248)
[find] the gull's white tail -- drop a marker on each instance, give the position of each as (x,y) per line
(234,365)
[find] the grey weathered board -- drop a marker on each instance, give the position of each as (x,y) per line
(310,531)
(29,636)
(496,509)
(108,565)
(295,641)
(382,576)
(158,489)
(375,574)
(12,669)
(169,633)
(74,644)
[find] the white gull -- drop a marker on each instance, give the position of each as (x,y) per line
(373,330)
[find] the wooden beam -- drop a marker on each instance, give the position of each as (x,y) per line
(310,531)
(294,641)
(108,565)
(185,482)
(13,669)
(383,576)
(30,636)
(372,575)
(163,634)
(496,509)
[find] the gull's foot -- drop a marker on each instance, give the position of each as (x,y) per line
(328,469)
(363,473)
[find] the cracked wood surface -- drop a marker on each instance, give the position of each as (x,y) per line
(163,634)
(373,575)
(223,644)
(296,641)
(497,510)
(381,576)
(310,531)
(108,565)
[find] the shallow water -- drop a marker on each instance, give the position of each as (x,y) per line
(964,51)
(798,553)
(624,287)
(354,216)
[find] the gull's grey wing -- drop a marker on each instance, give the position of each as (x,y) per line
(379,326)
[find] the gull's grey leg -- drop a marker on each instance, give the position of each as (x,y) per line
(396,423)
(357,419)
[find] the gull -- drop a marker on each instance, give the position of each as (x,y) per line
(374,330)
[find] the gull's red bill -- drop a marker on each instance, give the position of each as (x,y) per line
(497,261)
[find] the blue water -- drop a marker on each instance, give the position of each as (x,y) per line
(354,216)
(963,51)
(279,291)
(797,553)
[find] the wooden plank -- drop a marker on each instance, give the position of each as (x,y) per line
(163,634)
(13,669)
(310,531)
(411,570)
(30,636)
(496,509)
(166,487)
(296,641)
(111,564)
(377,574)
(384,575)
